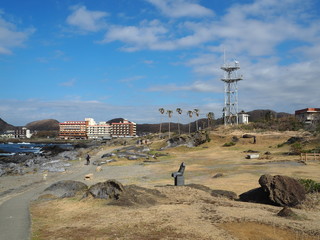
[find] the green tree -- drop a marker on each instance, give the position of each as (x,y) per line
(190,115)
(161,110)
(179,111)
(196,111)
(169,112)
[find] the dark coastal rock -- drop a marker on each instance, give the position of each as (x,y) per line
(53,150)
(218,175)
(66,188)
(110,189)
(102,162)
(283,190)
(108,155)
(55,166)
(2,172)
(224,193)
(276,190)
(194,140)
(286,212)
(248,136)
(133,157)
(134,195)
(294,140)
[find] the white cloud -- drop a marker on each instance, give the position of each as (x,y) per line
(11,37)
(255,29)
(181,8)
(131,79)
(197,86)
(69,83)
(86,20)
(147,35)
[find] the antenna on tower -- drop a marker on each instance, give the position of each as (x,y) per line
(231,78)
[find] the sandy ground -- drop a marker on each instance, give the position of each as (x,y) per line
(185,212)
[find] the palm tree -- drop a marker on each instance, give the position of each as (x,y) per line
(210,117)
(190,115)
(161,110)
(179,111)
(196,111)
(169,112)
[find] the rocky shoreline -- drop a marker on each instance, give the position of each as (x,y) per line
(52,158)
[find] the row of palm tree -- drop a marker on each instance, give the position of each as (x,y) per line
(190,113)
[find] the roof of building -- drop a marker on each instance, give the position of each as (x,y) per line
(307,110)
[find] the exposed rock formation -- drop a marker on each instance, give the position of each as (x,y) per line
(110,189)
(283,190)
(66,188)
(194,140)
(277,190)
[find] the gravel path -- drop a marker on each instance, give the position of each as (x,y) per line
(14,209)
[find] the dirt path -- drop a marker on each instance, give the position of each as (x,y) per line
(14,209)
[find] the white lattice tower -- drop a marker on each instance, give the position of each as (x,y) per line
(231,78)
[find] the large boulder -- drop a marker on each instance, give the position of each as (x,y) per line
(276,190)
(66,188)
(110,189)
(283,190)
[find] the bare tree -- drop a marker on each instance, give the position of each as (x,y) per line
(190,115)
(179,111)
(161,110)
(169,112)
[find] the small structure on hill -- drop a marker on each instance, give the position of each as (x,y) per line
(243,117)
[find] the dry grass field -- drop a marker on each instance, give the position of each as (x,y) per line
(187,212)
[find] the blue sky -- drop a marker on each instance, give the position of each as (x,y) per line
(67,59)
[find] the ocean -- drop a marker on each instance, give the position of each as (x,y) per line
(7,149)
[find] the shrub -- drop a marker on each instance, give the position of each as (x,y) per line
(296,148)
(229,144)
(310,185)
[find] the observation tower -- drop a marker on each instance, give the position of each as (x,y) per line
(231,79)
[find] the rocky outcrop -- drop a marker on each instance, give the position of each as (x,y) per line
(193,140)
(276,190)
(66,188)
(111,189)
(283,190)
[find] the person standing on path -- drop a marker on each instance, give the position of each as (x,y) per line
(88,159)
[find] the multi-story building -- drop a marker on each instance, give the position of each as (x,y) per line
(308,115)
(98,131)
(73,130)
(22,132)
(89,129)
(124,128)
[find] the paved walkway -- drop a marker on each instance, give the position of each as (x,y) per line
(14,213)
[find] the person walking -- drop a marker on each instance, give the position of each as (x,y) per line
(88,159)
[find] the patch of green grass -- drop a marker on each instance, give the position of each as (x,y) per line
(229,144)
(310,185)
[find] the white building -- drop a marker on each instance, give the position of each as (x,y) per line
(308,115)
(243,117)
(97,131)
